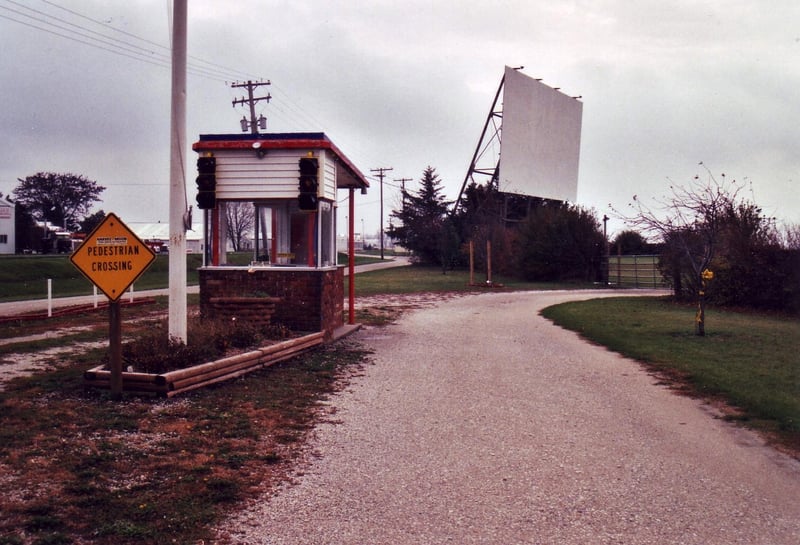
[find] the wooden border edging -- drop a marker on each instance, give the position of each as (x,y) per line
(182,380)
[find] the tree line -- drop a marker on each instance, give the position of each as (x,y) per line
(713,244)
(60,200)
(709,239)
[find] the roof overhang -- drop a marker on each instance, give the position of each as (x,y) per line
(347,175)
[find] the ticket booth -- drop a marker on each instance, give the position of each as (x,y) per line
(290,182)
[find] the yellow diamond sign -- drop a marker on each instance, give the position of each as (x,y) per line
(112,257)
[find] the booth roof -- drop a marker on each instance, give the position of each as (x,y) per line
(349,176)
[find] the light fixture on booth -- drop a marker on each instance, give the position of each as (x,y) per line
(260,152)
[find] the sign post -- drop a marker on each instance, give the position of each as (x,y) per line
(112,257)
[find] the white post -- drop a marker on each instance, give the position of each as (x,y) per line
(130,294)
(49,297)
(177,189)
(95,296)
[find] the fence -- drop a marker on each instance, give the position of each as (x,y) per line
(635,271)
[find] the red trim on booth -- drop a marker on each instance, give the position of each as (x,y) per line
(211,145)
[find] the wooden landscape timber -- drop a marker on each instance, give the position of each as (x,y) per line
(175,382)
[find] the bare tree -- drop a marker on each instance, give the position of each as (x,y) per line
(690,220)
(240,218)
(790,236)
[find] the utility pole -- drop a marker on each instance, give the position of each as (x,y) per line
(403,189)
(253,124)
(177,182)
(605,242)
(381,173)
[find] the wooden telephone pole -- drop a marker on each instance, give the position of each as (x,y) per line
(403,189)
(381,173)
(253,124)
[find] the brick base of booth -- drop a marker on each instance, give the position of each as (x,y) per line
(254,310)
(304,300)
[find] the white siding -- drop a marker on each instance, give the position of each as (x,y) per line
(7,227)
(241,175)
(327,188)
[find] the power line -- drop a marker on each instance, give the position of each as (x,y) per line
(223,70)
(140,49)
(107,38)
(157,55)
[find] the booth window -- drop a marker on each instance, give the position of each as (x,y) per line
(288,236)
(327,234)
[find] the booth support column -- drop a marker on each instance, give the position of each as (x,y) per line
(311,237)
(351,259)
(215,238)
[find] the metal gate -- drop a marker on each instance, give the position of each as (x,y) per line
(635,271)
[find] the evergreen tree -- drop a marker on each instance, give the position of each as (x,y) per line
(421,218)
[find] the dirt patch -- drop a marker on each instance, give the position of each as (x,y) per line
(15,365)
(379,310)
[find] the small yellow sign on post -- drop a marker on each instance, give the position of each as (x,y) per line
(112,257)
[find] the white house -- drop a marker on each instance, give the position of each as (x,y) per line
(7,232)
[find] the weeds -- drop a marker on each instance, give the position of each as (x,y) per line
(78,467)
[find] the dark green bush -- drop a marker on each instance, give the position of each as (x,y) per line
(154,351)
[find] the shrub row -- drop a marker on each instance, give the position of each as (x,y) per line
(154,351)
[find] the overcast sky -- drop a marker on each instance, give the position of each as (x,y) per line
(665,85)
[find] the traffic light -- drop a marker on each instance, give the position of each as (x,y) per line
(309,183)
(206,182)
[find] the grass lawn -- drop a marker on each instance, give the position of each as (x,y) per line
(79,467)
(418,279)
(25,277)
(749,359)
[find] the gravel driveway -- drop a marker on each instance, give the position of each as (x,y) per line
(481,422)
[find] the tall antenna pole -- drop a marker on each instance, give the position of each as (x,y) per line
(381,173)
(177,183)
(254,123)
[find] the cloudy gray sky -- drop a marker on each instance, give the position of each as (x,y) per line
(665,85)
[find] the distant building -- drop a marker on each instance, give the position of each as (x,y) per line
(342,242)
(156,235)
(8,235)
